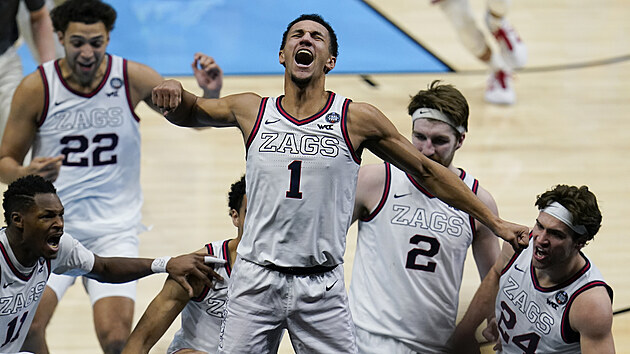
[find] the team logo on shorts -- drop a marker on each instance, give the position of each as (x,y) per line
(116,82)
(333,117)
(561,297)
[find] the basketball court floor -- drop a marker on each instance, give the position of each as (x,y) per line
(570,125)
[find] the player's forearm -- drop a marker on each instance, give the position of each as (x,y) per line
(449,188)
(157,318)
(186,113)
(481,307)
(120,269)
(10,170)
(42,29)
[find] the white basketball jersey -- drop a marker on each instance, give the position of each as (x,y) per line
(22,287)
(535,319)
(202,316)
(301,183)
(409,263)
(99,181)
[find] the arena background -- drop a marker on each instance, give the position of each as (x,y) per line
(570,124)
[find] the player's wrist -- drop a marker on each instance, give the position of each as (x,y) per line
(159,264)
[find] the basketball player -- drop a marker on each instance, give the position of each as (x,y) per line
(202,314)
(34,244)
(77,114)
(416,240)
(549,298)
(500,88)
(303,156)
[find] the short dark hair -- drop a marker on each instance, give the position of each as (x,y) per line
(84,11)
(333,46)
(21,194)
(236,193)
(444,98)
(581,203)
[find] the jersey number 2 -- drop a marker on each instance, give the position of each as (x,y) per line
(508,319)
(434,247)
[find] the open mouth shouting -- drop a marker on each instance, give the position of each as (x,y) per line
(53,241)
(539,254)
(304,57)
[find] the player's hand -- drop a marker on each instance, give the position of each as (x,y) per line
(46,167)
(517,235)
(463,342)
(491,334)
(167,96)
(181,267)
(208,74)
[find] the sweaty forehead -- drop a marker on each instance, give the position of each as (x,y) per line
(309,26)
(551,222)
(48,201)
(433,127)
(85,30)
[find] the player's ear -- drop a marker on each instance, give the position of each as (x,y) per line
(234,216)
(460,140)
(330,64)
(281,57)
(17,219)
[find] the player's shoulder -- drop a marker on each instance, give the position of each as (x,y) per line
(32,84)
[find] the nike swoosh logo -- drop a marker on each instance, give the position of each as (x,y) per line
(58,103)
(269,121)
(517,268)
(330,287)
(7,284)
(401,195)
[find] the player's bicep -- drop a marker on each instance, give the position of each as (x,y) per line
(26,109)
(142,80)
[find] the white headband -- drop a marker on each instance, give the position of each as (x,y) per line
(430,113)
(561,213)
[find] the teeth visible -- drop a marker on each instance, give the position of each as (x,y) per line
(304,57)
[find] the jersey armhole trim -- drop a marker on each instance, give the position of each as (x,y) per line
(386,188)
(344,131)
(128,91)
(568,334)
(44,113)
(252,134)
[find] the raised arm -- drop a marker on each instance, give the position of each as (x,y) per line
(185,109)
(121,269)
(369,128)
(26,109)
(43,36)
(481,307)
(208,74)
(157,318)
(591,316)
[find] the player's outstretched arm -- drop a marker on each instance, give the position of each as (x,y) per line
(370,128)
(157,318)
(481,307)
(185,109)
(121,269)
(591,315)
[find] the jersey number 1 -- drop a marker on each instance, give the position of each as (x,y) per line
(294,186)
